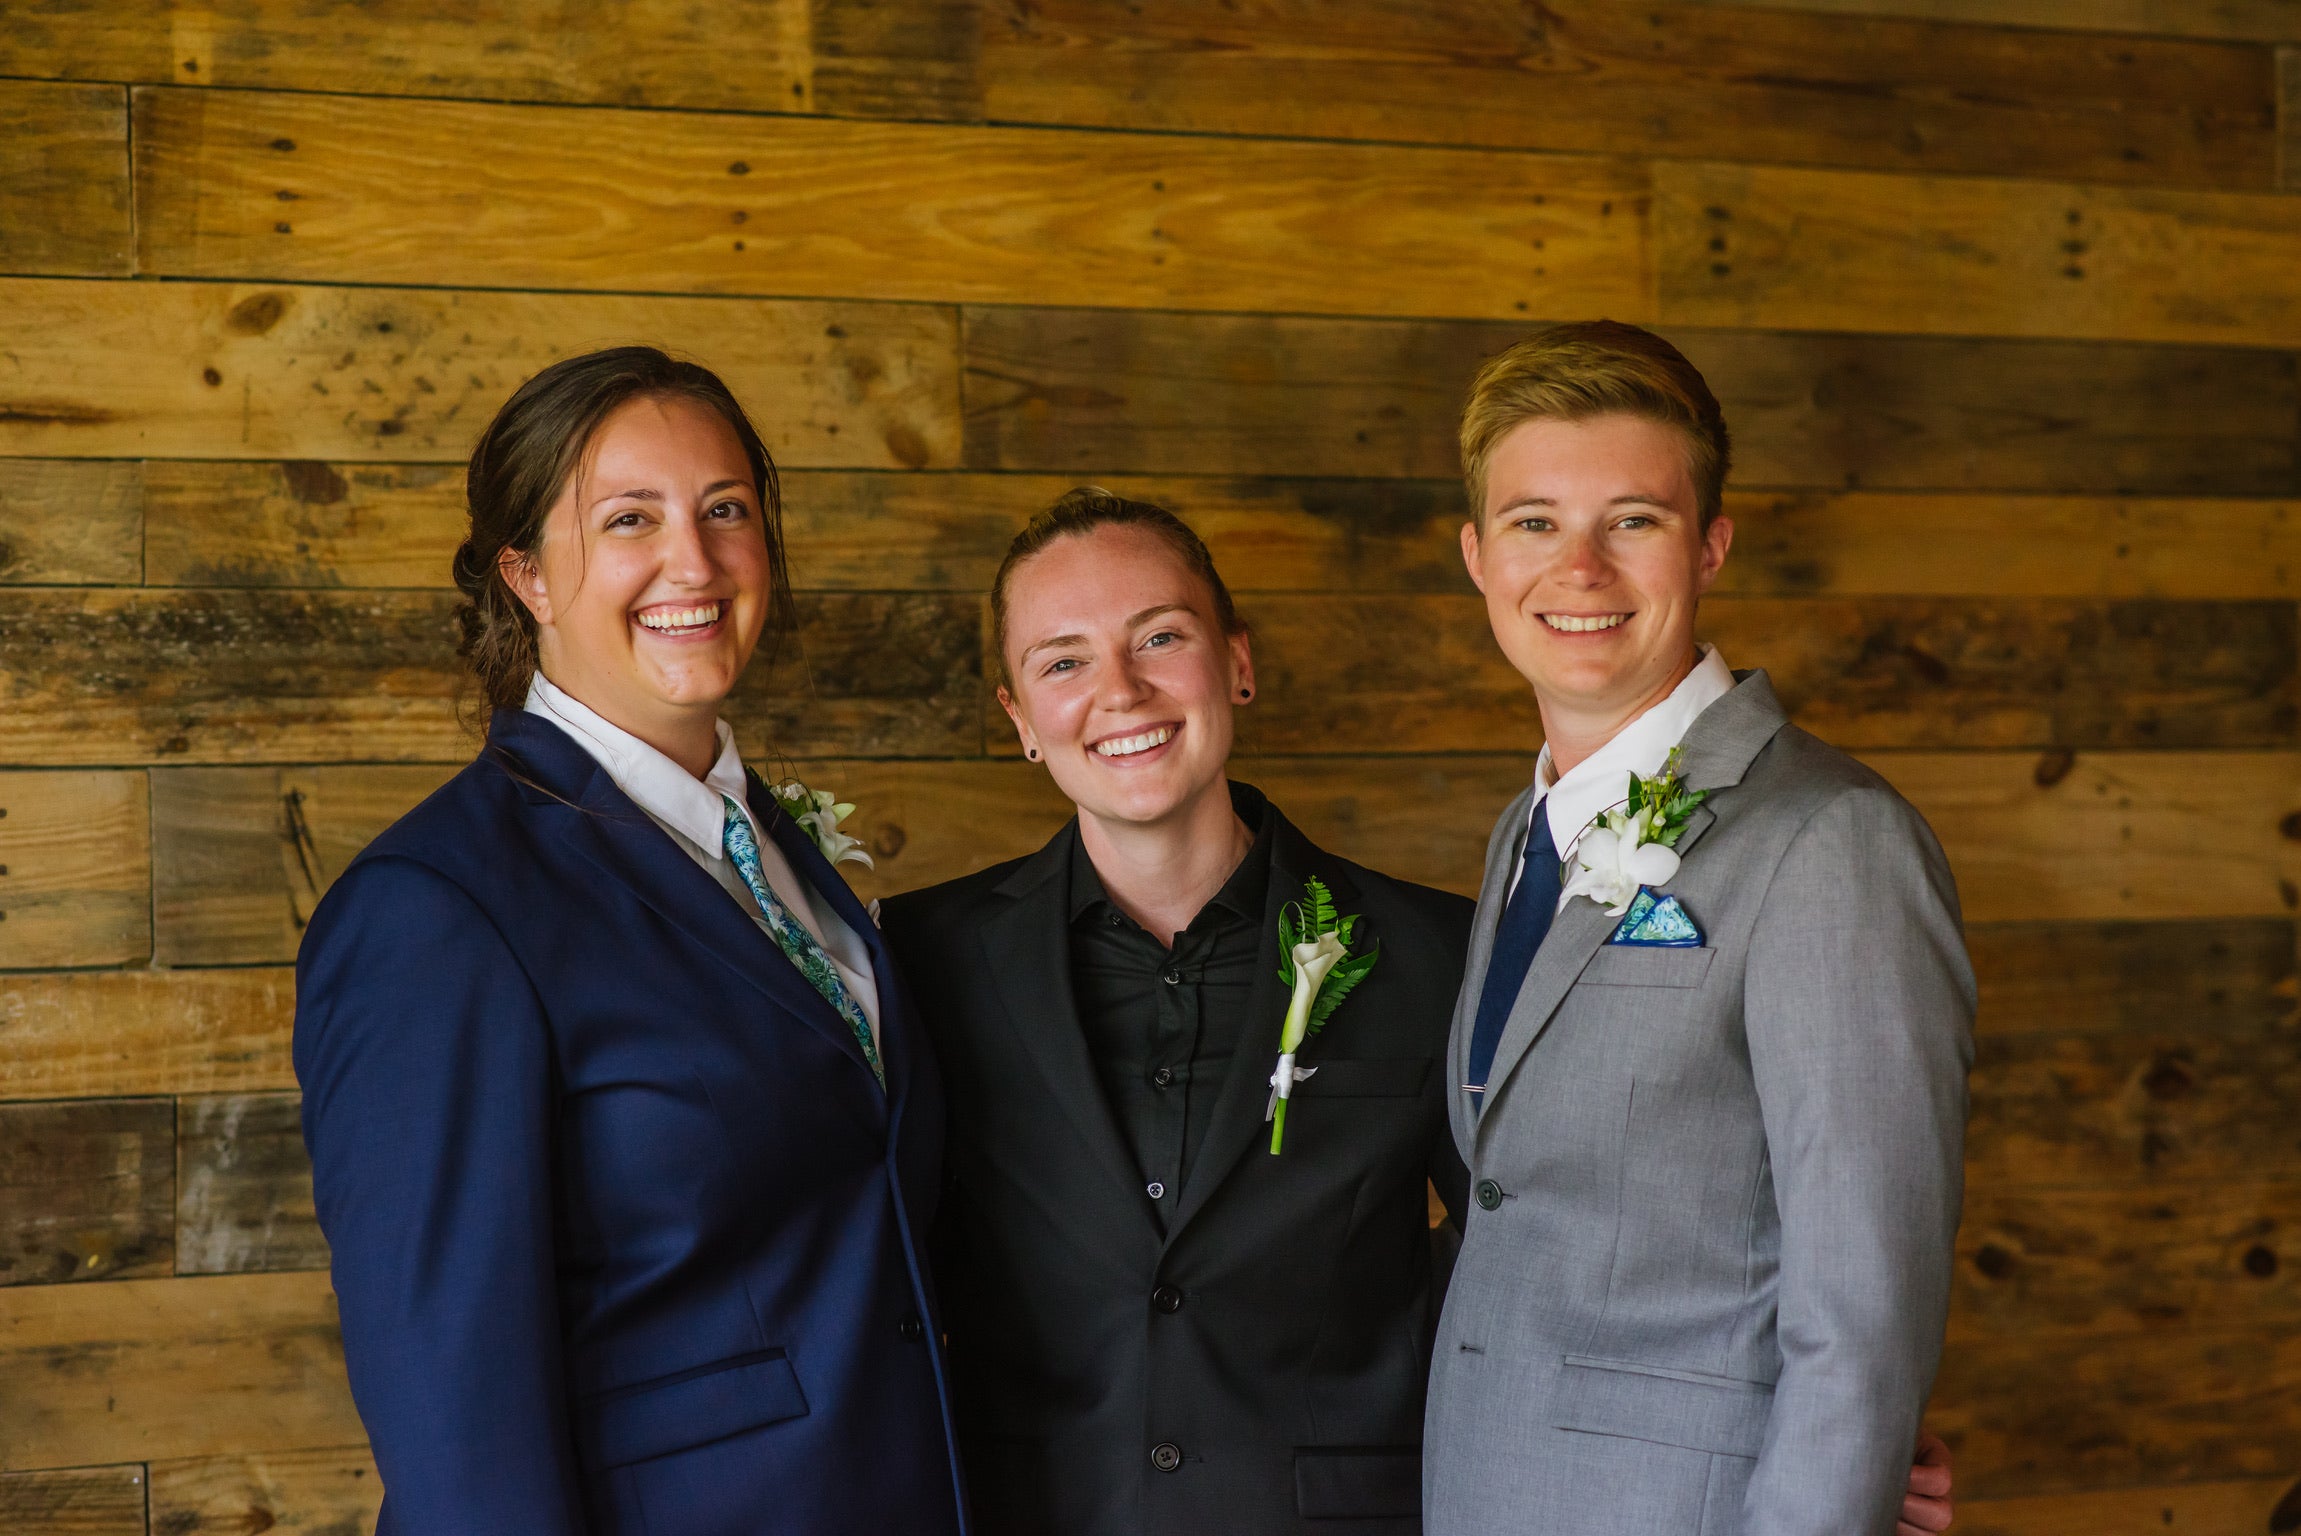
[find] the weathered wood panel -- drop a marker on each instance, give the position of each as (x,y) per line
(229,370)
(63,178)
(1608,78)
(237,675)
(282,1493)
(317,188)
(229,1364)
(87,1190)
(2135,1108)
(2246,1508)
(244,1187)
(75,867)
(65,521)
(668,52)
(2262,20)
(1102,391)
(2119,1259)
(87,1501)
(1965,545)
(2065,978)
(2289,119)
(2057,1414)
(301,523)
(96,1033)
(2110,835)
(1745,245)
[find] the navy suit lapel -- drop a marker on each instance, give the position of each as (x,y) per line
(607,828)
(1026,947)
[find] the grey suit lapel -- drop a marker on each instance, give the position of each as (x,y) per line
(1718,750)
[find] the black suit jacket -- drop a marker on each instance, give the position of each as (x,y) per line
(1256,1364)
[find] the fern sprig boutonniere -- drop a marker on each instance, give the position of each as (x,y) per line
(1316,963)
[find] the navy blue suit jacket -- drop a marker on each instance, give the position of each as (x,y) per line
(626,1237)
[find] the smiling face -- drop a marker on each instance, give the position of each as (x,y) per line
(1120,676)
(1592,557)
(653,580)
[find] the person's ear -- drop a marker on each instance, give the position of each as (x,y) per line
(1470,552)
(1242,668)
(525,579)
(1716,540)
(1023,732)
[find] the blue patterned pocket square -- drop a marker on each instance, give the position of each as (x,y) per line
(1657,922)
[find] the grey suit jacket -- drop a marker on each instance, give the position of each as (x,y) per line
(1714,1189)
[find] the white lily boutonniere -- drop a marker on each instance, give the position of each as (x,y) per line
(819,813)
(1316,963)
(1635,844)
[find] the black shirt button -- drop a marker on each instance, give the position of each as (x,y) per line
(911,1328)
(1489,1194)
(1166,1456)
(1163,1078)
(1167,1298)
(1173,977)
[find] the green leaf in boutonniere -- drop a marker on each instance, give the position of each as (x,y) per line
(1634,845)
(818,813)
(1316,963)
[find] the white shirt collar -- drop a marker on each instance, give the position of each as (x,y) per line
(1601,781)
(689,806)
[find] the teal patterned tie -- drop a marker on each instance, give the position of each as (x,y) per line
(792,937)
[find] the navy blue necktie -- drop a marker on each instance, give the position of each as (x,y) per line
(1525,919)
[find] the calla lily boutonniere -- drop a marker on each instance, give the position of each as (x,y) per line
(1634,845)
(819,813)
(1316,963)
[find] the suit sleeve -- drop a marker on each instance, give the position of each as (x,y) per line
(428,1111)
(1859,1006)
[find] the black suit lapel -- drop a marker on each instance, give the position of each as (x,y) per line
(603,824)
(1026,946)
(1237,1123)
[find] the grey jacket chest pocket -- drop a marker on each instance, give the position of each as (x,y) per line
(1644,965)
(1364,1079)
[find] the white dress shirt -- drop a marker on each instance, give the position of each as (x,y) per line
(1601,781)
(691,813)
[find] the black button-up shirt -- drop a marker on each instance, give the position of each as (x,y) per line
(1162,1025)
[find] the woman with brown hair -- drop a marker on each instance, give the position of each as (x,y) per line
(622,1131)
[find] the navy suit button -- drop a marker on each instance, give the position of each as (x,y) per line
(1489,1194)
(911,1328)
(1167,1298)
(1166,1456)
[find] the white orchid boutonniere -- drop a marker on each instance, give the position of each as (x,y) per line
(819,813)
(1635,844)
(1316,962)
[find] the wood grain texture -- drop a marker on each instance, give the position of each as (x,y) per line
(2092,836)
(226,675)
(64,179)
(80,1034)
(2109,977)
(2259,20)
(2289,119)
(2248,1507)
(314,188)
(1968,545)
(163,1369)
(87,1190)
(86,1501)
(1609,78)
(2057,1414)
(1074,391)
(301,523)
(237,371)
(1741,245)
(244,1186)
(75,868)
(65,521)
(2121,1259)
(666,52)
(282,1493)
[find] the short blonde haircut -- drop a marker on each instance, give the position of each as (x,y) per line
(1596,368)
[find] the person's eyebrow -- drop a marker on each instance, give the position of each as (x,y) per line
(1640,499)
(716,486)
(637,495)
(1053,642)
(1154,611)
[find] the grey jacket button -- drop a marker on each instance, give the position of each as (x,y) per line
(1489,1194)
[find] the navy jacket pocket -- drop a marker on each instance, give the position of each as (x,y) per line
(1358,1482)
(689,1408)
(1700,1412)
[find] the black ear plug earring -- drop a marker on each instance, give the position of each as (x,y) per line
(1032,753)
(1245,694)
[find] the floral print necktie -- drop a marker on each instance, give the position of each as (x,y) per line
(791,935)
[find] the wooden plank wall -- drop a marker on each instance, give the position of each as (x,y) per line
(2002,297)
